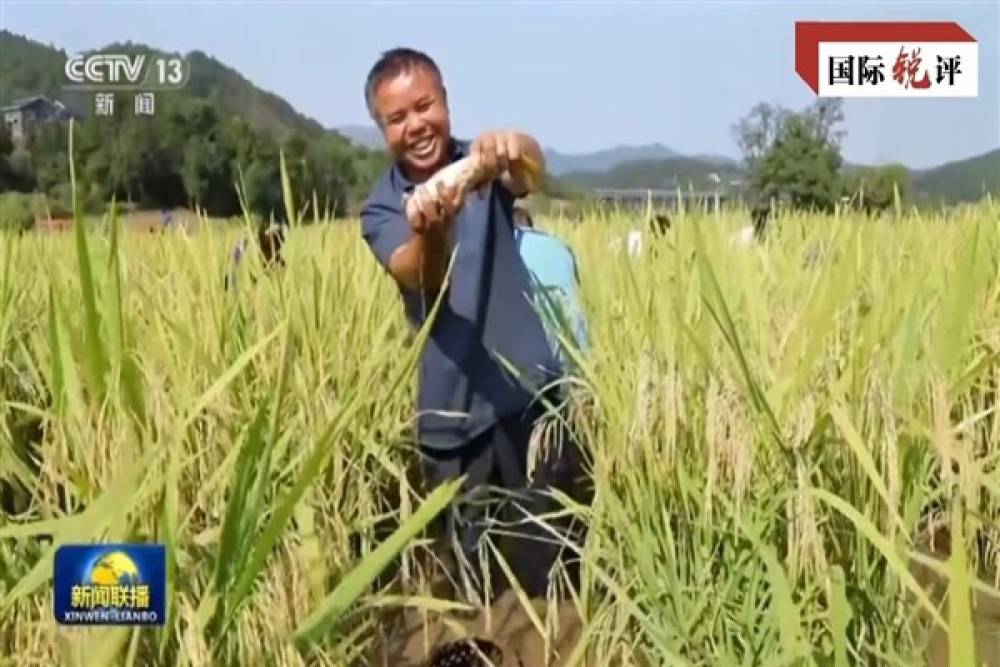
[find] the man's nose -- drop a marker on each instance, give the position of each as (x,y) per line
(415,125)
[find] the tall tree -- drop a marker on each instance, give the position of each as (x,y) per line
(801,168)
(794,155)
(757,132)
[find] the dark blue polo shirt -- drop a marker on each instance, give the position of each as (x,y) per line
(486,314)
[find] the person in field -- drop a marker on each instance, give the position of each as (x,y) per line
(270,242)
(658,226)
(757,230)
(555,281)
(487,360)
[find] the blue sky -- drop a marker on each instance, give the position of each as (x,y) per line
(580,76)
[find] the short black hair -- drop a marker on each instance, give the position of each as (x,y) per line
(761,214)
(659,224)
(271,240)
(392,63)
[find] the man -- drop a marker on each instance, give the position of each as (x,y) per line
(475,416)
(270,241)
(756,231)
(658,225)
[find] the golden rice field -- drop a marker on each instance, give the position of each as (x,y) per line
(794,446)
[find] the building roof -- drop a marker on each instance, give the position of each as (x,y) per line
(62,112)
(29,101)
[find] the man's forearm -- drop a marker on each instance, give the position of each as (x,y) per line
(422,261)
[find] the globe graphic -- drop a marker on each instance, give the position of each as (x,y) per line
(115,568)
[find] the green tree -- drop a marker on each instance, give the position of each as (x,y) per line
(800,168)
(874,189)
(8,179)
(205,167)
(368,167)
(324,166)
(17,165)
(758,131)
(202,169)
(333,176)
(125,171)
(6,144)
(794,155)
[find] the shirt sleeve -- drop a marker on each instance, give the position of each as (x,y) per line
(384,227)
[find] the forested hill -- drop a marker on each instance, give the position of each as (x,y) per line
(30,68)
(962,180)
(959,181)
(201,140)
(676,172)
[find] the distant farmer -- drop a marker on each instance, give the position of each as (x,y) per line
(166,217)
(660,224)
(657,225)
(756,231)
(556,282)
(761,216)
(475,416)
(270,241)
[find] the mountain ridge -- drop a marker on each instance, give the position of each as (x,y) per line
(30,68)
(655,165)
(559,163)
(33,68)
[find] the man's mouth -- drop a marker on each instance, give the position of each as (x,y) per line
(423,149)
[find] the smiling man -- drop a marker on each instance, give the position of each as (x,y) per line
(475,417)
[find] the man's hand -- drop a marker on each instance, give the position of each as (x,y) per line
(497,150)
(433,212)
(421,262)
(506,154)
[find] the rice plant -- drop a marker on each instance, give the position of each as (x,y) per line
(794,444)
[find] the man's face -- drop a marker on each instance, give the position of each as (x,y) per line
(413,114)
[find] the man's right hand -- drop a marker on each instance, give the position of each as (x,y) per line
(421,262)
(433,213)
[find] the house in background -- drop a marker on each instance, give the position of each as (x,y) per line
(21,117)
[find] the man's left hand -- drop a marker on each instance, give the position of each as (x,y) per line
(501,155)
(497,150)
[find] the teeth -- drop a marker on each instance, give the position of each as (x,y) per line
(423,146)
